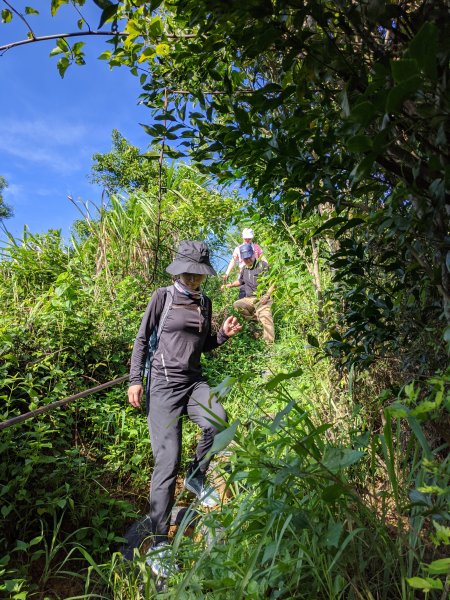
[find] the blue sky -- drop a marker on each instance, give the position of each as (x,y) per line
(50,127)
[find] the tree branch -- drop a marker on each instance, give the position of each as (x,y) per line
(56,36)
(20,15)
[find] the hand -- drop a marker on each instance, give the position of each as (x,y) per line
(231,326)
(264,299)
(225,276)
(135,395)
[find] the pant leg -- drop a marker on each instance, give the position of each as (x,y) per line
(264,316)
(203,409)
(246,306)
(167,405)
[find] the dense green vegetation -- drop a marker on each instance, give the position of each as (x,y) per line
(336,118)
(5,210)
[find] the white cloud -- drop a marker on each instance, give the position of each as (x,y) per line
(48,143)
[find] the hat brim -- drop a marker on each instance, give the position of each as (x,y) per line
(179,266)
(247,256)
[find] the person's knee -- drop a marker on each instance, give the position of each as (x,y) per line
(215,423)
(167,460)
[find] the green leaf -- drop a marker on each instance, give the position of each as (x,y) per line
(63,64)
(312,341)
(329,224)
(425,584)
(359,143)
(397,410)
(417,430)
(333,535)
(363,113)
(63,45)
(439,567)
(332,492)
(403,69)
(56,5)
(56,50)
(223,438)
(29,10)
(108,14)
(398,94)
(341,458)
(103,3)
(6,15)
(156,27)
(349,225)
(272,383)
(279,416)
(423,48)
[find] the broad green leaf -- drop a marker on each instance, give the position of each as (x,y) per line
(62,44)
(108,14)
(397,410)
(359,143)
(269,552)
(29,10)
(312,341)
(400,92)
(6,15)
(341,458)
(56,5)
(363,113)
(224,438)
(333,535)
(332,492)
(56,50)
(329,224)
(423,48)
(146,54)
(162,49)
(279,416)
(272,383)
(103,4)
(354,222)
(439,567)
(426,585)
(63,64)
(156,27)
(403,69)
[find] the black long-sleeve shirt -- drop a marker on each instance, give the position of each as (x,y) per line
(185,335)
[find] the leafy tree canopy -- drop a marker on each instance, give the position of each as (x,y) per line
(5,211)
(333,108)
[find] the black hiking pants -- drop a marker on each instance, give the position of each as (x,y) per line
(169,402)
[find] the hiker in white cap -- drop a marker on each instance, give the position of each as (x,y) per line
(247,237)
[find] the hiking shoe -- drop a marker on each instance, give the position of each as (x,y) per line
(161,561)
(198,485)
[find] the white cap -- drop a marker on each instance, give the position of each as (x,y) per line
(247,233)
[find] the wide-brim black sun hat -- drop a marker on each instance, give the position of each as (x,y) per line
(191,257)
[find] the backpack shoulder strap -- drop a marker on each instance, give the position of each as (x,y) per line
(170,290)
(208,305)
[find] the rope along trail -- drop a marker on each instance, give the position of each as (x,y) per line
(62,402)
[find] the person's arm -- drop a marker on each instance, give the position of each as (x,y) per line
(229,328)
(234,260)
(266,297)
(149,322)
(233,284)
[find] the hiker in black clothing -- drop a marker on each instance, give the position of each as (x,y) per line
(177,386)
